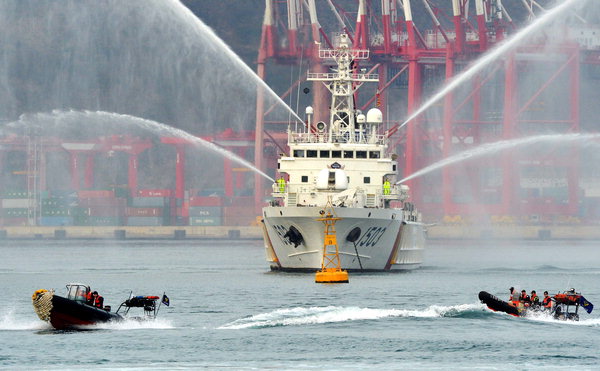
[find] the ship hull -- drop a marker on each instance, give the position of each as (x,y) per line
(385,241)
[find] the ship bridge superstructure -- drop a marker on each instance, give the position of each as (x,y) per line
(345,160)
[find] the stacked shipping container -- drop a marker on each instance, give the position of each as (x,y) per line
(151,207)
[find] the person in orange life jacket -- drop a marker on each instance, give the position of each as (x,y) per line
(89,299)
(547,302)
(524,298)
(535,299)
(97,300)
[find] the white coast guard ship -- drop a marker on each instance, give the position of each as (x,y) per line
(344,164)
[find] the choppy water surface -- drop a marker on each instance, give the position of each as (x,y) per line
(228,311)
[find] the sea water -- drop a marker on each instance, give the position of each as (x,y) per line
(228,311)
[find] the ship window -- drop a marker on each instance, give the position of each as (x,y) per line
(304,178)
(324,154)
(348,154)
(361,154)
(374,154)
(298,153)
(367,180)
(311,153)
(336,154)
(278,165)
(394,167)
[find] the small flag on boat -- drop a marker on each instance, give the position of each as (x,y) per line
(165,300)
(586,304)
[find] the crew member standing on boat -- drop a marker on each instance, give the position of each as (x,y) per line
(387,187)
(281,183)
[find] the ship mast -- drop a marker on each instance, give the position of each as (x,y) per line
(342,84)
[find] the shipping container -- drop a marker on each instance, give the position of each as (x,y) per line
(244,220)
(11,203)
(144,211)
(56,221)
(14,222)
(108,211)
(57,211)
(102,201)
(122,192)
(242,201)
(205,211)
(15,194)
(149,202)
(15,213)
(63,193)
(84,220)
(154,193)
(144,221)
(183,210)
(101,193)
(206,201)
(235,211)
(205,220)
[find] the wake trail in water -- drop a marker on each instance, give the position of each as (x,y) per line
(320,315)
(547,318)
(9,322)
(132,324)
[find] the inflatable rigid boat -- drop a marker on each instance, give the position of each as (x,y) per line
(75,310)
(565,305)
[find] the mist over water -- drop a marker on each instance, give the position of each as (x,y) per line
(70,123)
(495,147)
(494,55)
(146,58)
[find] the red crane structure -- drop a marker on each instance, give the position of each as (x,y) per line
(415,47)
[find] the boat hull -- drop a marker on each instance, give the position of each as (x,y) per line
(64,313)
(498,305)
(385,241)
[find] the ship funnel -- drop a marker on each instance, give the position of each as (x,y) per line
(374,116)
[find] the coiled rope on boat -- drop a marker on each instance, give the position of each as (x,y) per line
(42,303)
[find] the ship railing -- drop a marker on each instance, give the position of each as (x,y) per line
(278,191)
(336,53)
(329,76)
(297,138)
